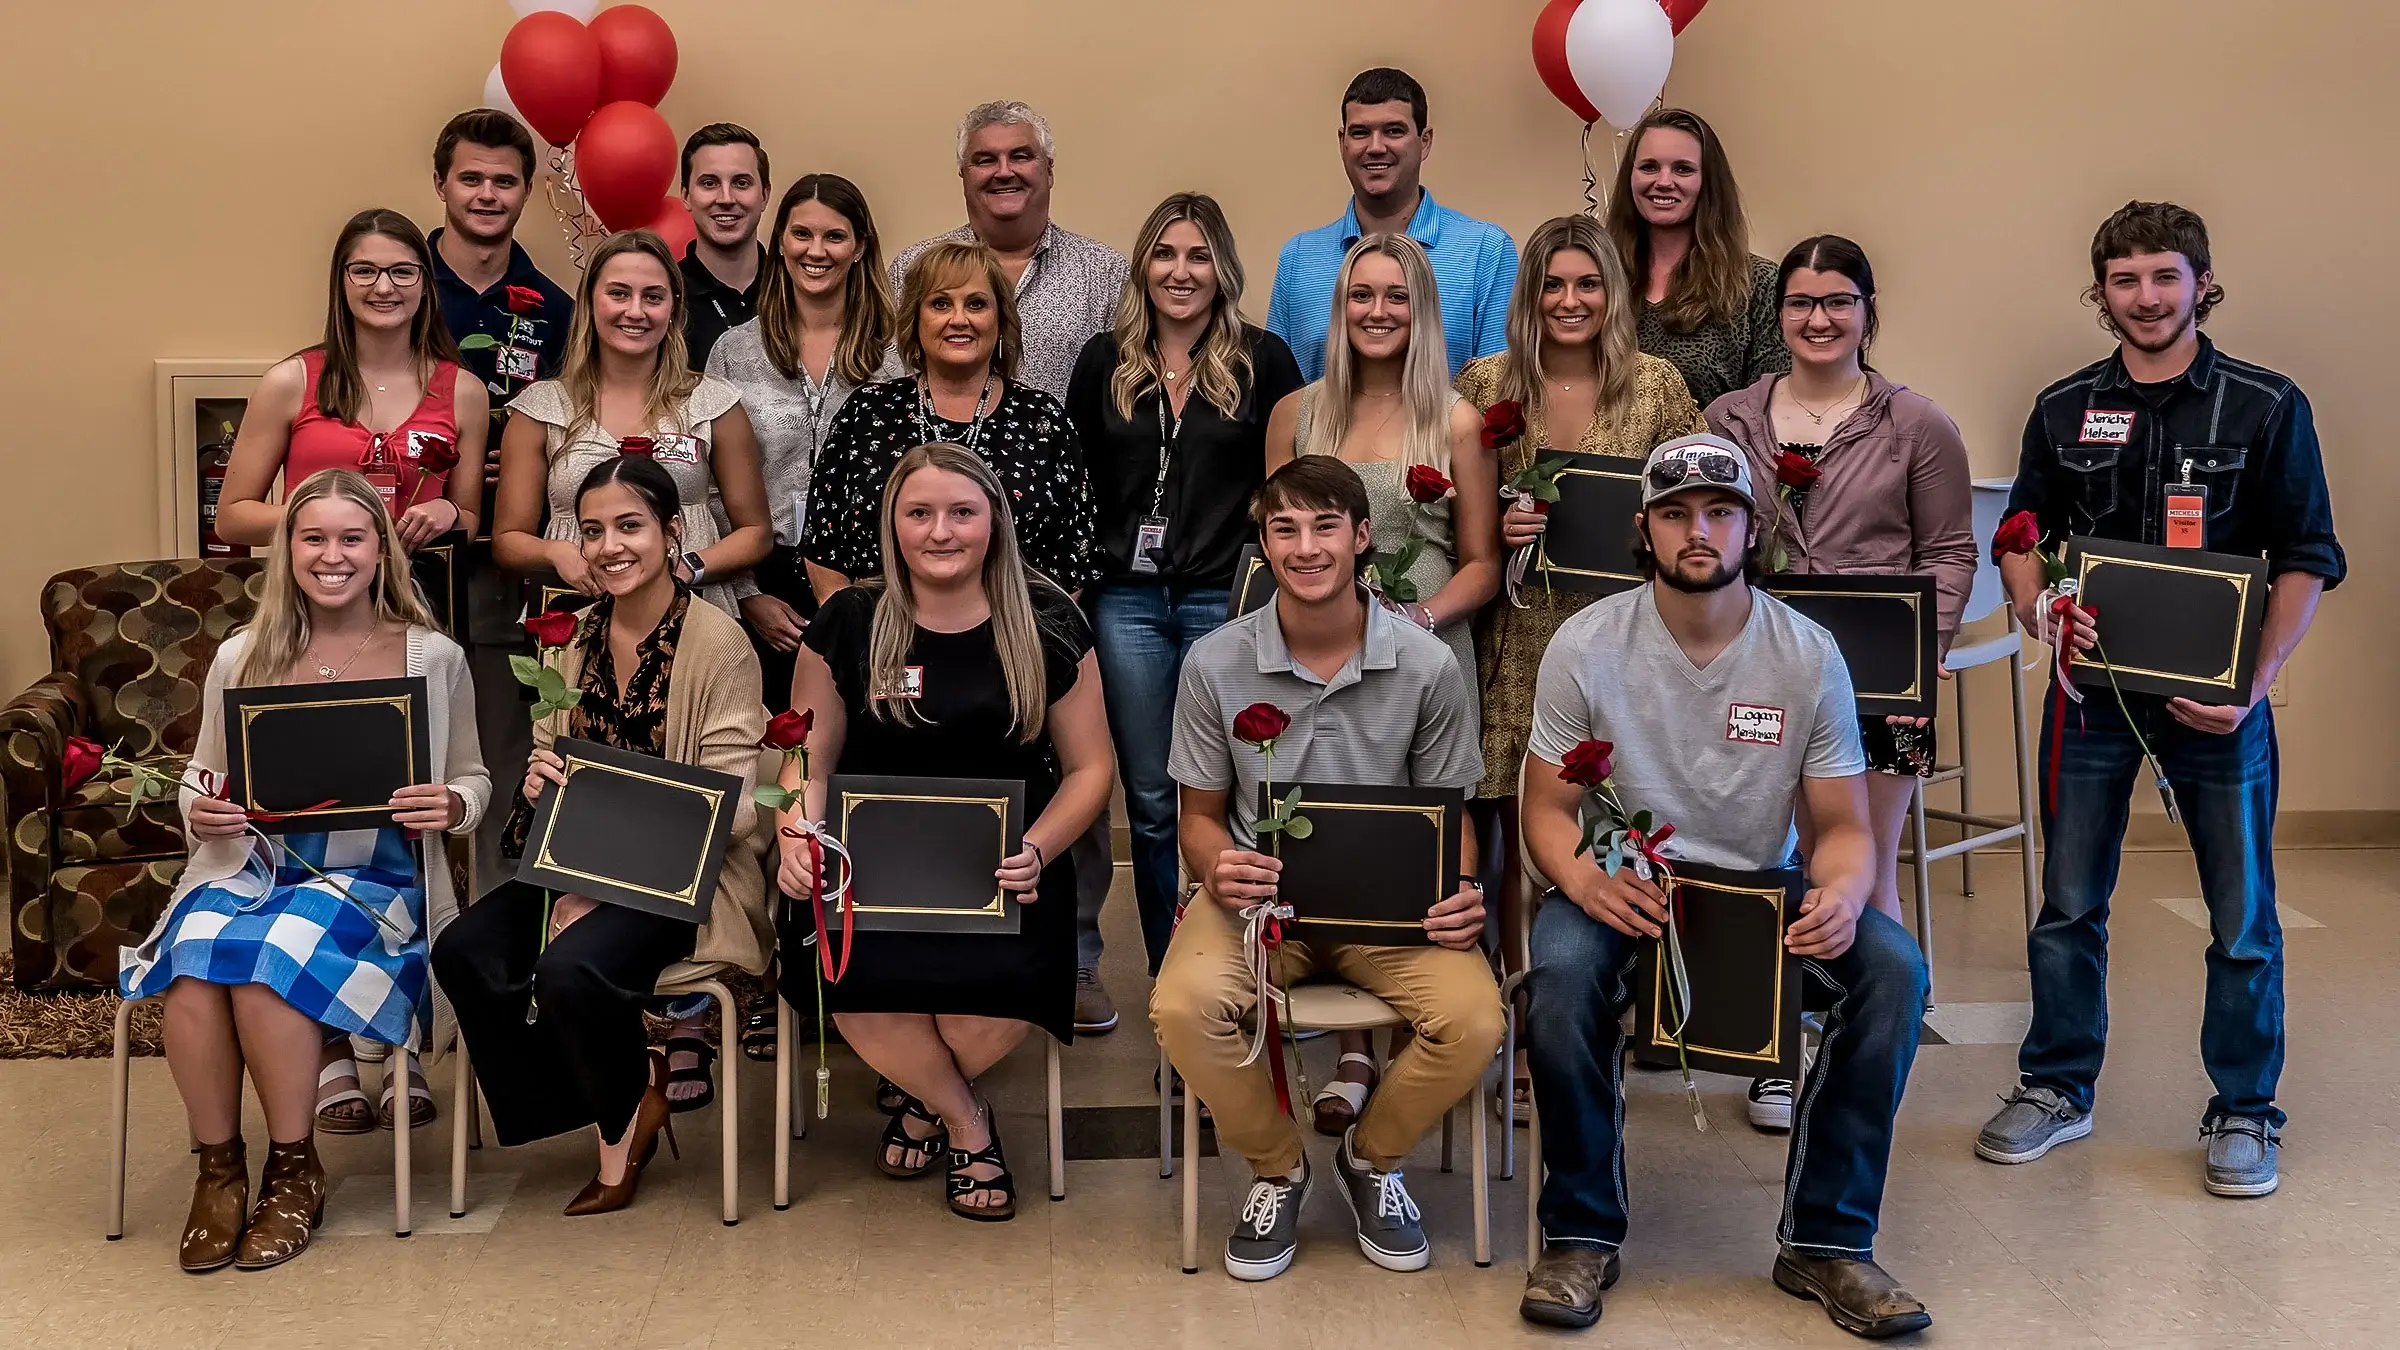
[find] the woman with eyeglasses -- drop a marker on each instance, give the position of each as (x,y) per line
(1877,481)
(381,394)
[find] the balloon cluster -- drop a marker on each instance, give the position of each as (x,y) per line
(589,85)
(1608,59)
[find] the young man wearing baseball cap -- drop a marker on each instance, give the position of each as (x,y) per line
(1725,708)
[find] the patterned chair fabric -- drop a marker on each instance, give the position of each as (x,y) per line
(130,646)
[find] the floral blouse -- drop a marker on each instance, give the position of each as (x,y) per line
(637,722)
(1025,437)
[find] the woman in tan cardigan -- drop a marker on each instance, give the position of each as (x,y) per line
(549,992)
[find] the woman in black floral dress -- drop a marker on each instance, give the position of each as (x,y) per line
(960,342)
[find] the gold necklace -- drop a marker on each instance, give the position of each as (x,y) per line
(1818,418)
(326,672)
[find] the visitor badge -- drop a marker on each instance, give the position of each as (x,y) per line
(799,518)
(2187,511)
(518,363)
(1149,544)
(2106,426)
(387,486)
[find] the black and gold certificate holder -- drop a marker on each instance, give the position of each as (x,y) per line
(307,757)
(924,851)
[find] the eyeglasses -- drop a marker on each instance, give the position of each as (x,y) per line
(1708,465)
(364,275)
(1835,306)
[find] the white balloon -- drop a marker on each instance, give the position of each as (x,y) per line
(495,95)
(578,10)
(1620,51)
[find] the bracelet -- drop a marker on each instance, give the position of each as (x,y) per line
(1040,859)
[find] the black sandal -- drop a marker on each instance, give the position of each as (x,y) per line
(964,1185)
(896,1136)
(758,1033)
(698,1073)
(889,1099)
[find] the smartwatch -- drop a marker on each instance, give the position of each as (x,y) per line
(698,569)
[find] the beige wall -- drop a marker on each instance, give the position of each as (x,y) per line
(176,171)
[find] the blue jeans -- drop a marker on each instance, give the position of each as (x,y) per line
(1143,632)
(1841,1144)
(2225,789)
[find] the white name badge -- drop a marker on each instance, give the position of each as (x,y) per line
(676,449)
(2105,427)
(1754,724)
(518,363)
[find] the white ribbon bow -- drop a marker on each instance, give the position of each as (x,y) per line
(1261,963)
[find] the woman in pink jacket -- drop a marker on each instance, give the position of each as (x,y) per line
(1891,494)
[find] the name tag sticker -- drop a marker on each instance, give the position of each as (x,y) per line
(1754,724)
(2106,427)
(517,363)
(912,684)
(676,450)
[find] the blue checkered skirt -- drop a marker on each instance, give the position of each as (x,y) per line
(313,939)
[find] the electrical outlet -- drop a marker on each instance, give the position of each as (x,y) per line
(2275,692)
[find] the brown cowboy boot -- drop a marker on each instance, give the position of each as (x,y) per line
(1563,1288)
(291,1202)
(219,1200)
(1858,1295)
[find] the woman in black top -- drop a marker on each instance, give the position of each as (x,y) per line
(959,340)
(956,664)
(1172,412)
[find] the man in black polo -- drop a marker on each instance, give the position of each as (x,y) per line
(725,184)
(510,322)
(2166,441)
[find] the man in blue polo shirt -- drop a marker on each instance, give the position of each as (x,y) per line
(510,322)
(1385,138)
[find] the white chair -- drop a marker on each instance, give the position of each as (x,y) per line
(1324,1006)
(791,1122)
(120,1100)
(1978,831)
(682,978)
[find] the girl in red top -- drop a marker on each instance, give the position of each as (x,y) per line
(382,394)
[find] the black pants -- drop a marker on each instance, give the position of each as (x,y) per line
(585,1058)
(783,575)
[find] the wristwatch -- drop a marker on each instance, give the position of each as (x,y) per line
(698,568)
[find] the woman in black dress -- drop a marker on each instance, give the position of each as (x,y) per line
(955,664)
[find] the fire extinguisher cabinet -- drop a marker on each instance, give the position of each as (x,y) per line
(200,407)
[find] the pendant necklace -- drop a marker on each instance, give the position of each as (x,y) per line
(326,672)
(1818,418)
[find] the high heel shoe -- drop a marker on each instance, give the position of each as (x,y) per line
(651,1117)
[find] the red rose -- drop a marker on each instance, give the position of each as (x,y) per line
(1427,484)
(434,454)
(1260,723)
(637,445)
(1796,470)
(1588,763)
(2020,533)
(81,761)
(555,629)
(524,300)
(788,730)
(1503,422)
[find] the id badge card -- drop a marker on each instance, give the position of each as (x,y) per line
(387,486)
(1149,541)
(2187,512)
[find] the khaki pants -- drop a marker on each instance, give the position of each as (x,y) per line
(1204,994)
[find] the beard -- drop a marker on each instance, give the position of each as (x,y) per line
(1724,575)
(2125,333)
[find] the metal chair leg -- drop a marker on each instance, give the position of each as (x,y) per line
(729,1035)
(1966,788)
(785,1127)
(2025,788)
(1191,1181)
(465,1125)
(395,1073)
(1166,1116)
(120,1092)
(1924,876)
(1478,1139)
(1058,1121)
(1508,1094)
(1449,1118)
(1533,1180)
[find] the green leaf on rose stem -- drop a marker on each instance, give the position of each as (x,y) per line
(773,796)
(1591,830)
(1642,821)
(475,342)
(1298,827)
(550,685)
(527,670)
(1267,825)
(1291,803)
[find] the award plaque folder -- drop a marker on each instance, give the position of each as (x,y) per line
(325,756)
(633,830)
(440,568)
(1590,540)
(1745,1009)
(924,851)
(1253,582)
(1375,860)
(2172,621)
(1884,625)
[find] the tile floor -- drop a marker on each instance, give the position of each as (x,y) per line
(2110,1242)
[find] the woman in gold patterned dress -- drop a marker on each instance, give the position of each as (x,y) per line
(1573,364)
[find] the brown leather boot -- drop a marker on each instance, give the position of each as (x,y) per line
(1563,1289)
(220,1198)
(1858,1295)
(291,1203)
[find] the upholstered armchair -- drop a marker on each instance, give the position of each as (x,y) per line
(130,645)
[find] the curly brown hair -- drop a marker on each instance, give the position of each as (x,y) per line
(2152,227)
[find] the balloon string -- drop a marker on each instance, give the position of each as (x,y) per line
(566,200)
(1591,183)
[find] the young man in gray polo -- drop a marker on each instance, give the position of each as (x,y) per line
(1373,700)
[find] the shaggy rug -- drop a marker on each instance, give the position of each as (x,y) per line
(66,1026)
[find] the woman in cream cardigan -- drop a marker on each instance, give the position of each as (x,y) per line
(338,605)
(549,991)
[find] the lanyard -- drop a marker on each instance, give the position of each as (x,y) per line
(1168,434)
(927,415)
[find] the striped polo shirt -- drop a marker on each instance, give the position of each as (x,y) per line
(1396,715)
(1474,265)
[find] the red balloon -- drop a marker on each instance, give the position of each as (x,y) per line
(551,67)
(1681,12)
(637,55)
(624,162)
(1550,58)
(673,223)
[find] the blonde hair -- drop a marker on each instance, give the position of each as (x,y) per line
(280,631)
(1224,361)
(1016,630)
(671,380)
(940,267)
(1424,373)
(1616,346)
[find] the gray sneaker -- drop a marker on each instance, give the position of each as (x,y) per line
(2241,1155)
(1268,1231)
(1390,1230)
(2033,1121)
(1095,1012)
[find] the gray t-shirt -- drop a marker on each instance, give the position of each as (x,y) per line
(1395,716)
(1717,753)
